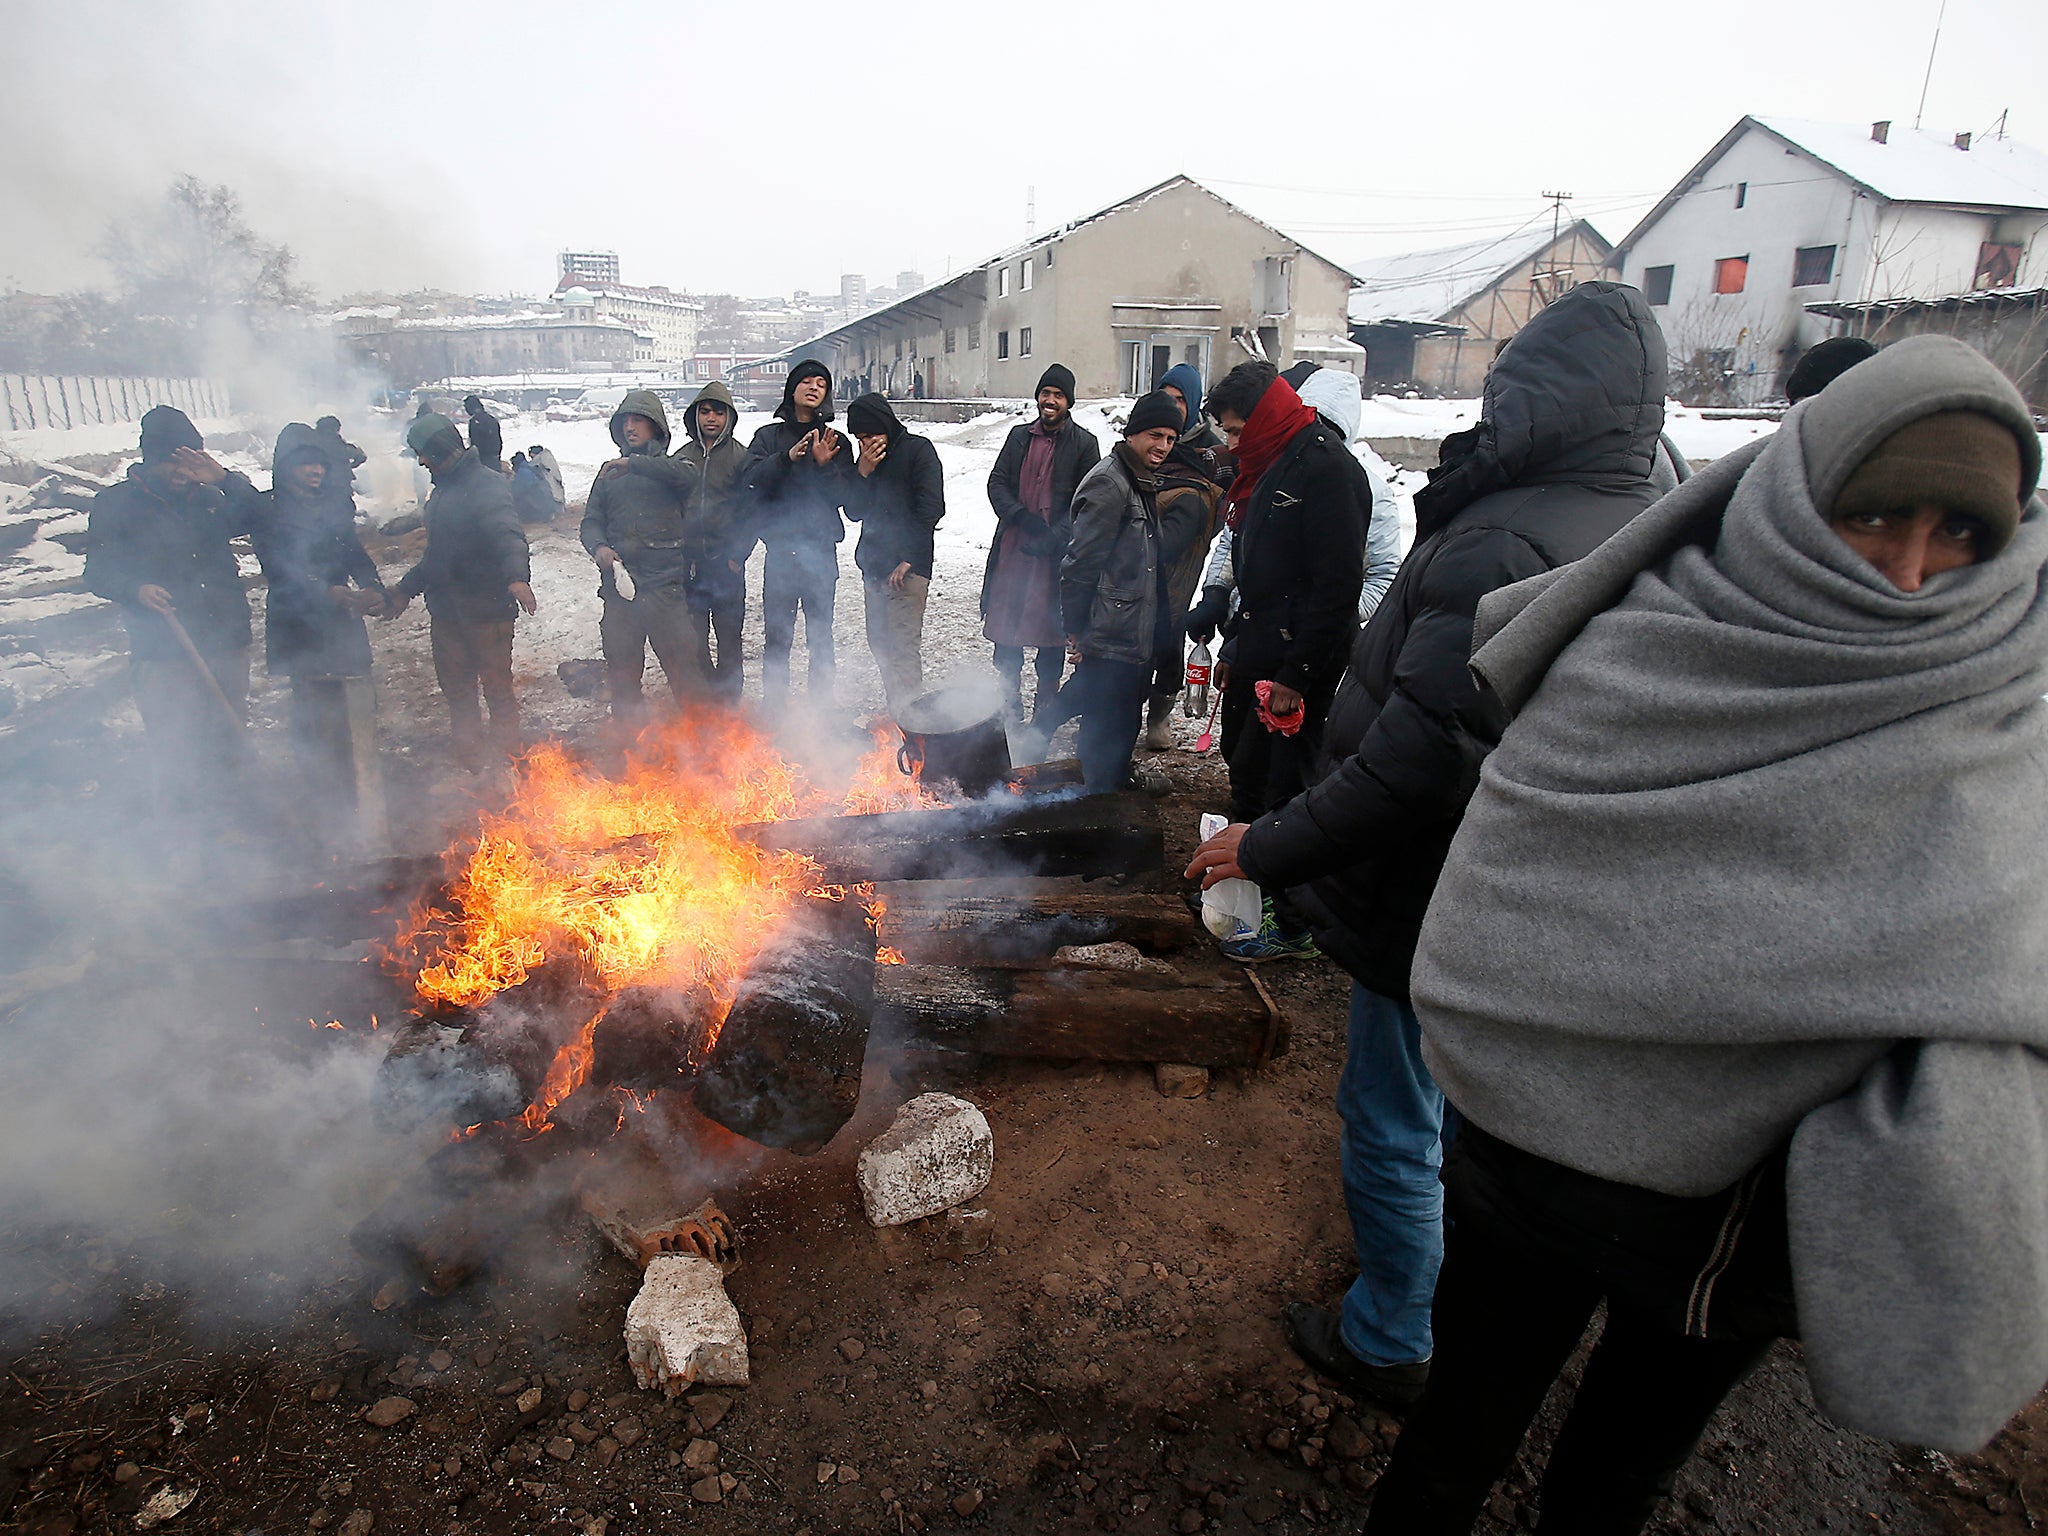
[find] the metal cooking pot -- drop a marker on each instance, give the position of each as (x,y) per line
(955,733)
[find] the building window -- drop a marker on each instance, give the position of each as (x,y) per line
(974,336)
(1024,342)
(1027,273)
(1741,193)
(1813,266)
(1657,284)
(1998,265)
(949,340)
(1730,274)
(1002,344)
(1133,369)
(1002,282)
(1048,258)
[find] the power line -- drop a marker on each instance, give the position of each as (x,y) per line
(1417,197)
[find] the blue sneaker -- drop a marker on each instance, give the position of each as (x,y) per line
(1251,946)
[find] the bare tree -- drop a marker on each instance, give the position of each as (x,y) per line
(193,255)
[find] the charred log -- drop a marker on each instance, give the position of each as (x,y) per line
(652,1037)
(1012,931)
(470,1201)
(1090,835)
(786,1069)
(1217,1016)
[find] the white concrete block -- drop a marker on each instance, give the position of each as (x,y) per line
(682,1330)
(937,1153)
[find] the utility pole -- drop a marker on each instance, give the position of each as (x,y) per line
(1030,211)
(1536,295)
(1924,79)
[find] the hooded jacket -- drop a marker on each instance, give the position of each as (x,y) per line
(486,437)
(308,545)
(1336,396)
(901,503)
(796,506)
(476,549)
(640,514)
(716,526)
(137,535)
(1560,459)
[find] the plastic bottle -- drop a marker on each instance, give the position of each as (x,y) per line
(1228,905)
(1194,698)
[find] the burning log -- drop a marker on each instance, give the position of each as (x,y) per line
(948,929)
(1090,835)
(370,901)
(786,1069)
(1217,1016)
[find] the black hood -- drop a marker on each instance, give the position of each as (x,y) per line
(873,413)
(805,370)
(1578,396)
(296,440)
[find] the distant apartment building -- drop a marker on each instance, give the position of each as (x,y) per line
(1173,274)
(594,267)
(589,280)
(1786,229)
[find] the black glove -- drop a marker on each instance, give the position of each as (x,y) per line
(1209,611)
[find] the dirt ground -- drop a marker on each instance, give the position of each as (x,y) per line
(1112,1362)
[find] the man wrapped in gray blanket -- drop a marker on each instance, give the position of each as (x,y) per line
(1738,969)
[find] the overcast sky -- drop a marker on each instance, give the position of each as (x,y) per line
(764,148)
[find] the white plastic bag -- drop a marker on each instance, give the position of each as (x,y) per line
(1228,905)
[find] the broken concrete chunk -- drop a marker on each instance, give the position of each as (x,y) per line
(937,1153)
(1181,1082)
(682,1330)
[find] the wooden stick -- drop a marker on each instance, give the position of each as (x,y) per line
(205,672)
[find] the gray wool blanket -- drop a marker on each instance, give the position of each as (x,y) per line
(1764,857)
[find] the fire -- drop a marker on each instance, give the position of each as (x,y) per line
(637,880)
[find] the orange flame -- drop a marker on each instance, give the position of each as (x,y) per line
(640,879)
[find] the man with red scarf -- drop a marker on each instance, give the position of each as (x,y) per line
(1298,509)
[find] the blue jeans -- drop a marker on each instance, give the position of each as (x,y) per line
(1393,1154)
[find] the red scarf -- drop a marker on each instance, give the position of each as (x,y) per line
(1275,420)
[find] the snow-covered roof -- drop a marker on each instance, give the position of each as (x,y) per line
(1916,166)
(528,320)
(1424,286)
(1912,166)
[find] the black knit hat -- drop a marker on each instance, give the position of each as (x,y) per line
(1158,409)
(166,429)
(1060,377)
(1823,363)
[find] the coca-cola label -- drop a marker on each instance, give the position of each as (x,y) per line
(1198,675)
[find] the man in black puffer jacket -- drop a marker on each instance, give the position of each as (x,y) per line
(1560,460)
(898,496)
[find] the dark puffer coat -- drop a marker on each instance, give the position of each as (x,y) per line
(1560,460)
(138,535)
(308,545)
(1300,557)
(639,515)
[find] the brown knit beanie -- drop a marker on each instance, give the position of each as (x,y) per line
(1961,460)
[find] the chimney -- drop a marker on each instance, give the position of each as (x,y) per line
(1881,131)
(1962,141)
